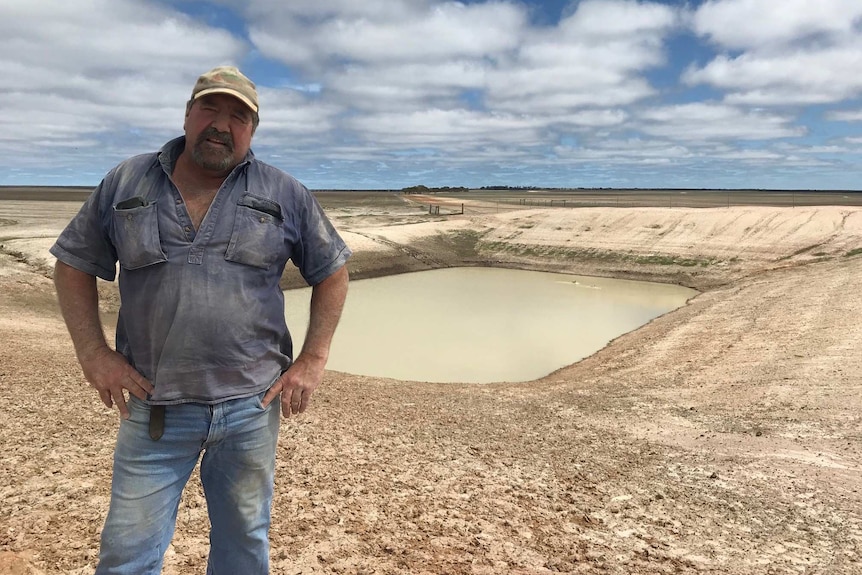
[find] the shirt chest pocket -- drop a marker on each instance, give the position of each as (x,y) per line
(136,234)
(258,238)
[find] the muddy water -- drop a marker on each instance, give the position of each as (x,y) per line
(481,325)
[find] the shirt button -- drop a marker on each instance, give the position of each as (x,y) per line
(188,228)
(179,201)
(262,220)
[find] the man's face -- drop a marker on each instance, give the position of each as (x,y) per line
(218,130)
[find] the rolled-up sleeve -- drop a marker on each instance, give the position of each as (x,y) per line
(85,243)
(321,251)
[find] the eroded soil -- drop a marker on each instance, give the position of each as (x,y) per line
(723,437)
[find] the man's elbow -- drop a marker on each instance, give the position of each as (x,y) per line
(68,276)
(338,277)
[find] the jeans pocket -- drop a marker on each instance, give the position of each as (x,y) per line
(257,239)
(136,231)
(139,410)
(258,401)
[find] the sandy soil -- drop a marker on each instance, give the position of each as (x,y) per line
(723,437)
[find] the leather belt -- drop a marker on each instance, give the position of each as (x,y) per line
(157,421)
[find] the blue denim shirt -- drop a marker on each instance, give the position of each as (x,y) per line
(201,313)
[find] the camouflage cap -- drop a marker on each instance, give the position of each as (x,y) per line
(227,80)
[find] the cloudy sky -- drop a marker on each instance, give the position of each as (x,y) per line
(393,93)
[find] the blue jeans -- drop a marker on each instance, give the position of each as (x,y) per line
(238,440)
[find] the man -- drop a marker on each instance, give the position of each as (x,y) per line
(202,231)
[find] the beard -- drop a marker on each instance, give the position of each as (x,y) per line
(211,157)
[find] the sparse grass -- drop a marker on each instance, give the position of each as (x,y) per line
(19,257)
(661,260)
(464,243)
(801,251)
(852,253)
(556,252)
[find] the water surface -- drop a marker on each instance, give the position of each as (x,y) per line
(480,325)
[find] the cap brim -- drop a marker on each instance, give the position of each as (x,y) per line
(228,91)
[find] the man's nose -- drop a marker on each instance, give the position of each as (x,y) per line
(221,121)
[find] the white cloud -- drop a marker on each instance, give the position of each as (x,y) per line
(748,24)
(749,155)
(793,53)
(481,89)
(405,86)
(596,20)
(593,118)
(86,73)
(317,10)
(626,151)
(706,122)
(467,79)
(421,54)
(595,57)
(845,116)
(459,128)
(790,77)
(316,37)
(108,49)
(288,114)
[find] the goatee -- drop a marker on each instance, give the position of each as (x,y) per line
(210,158)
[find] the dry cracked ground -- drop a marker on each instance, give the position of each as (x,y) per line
(723,437)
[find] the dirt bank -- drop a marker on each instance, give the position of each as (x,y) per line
(721,438)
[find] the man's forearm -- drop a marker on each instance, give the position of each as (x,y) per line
(79,304)
(327,301)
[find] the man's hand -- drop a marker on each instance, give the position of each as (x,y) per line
(302,378)
(296,385)
(105,369)
(110,373)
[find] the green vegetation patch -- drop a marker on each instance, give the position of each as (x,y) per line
(852,253)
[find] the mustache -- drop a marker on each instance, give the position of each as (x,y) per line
(213,134)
